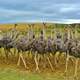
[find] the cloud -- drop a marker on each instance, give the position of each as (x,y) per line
(39,10)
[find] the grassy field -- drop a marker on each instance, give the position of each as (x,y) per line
(12,72)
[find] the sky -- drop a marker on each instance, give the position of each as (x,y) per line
(54,11)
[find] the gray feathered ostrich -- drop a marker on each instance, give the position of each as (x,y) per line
(70,35)
(76,53)
(73,51)
(25,44)
(8,40)
(22,46)
(68,38)
(60,44)
(48,45)
(40,48)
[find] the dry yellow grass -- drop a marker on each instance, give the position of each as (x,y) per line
(21,27)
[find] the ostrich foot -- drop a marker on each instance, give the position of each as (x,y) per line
(38,70)
(27,68)
(56,66)
(65,73)
(75,77)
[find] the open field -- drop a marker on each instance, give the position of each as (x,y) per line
(11,71)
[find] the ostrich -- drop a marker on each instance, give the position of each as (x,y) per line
(73,31)
(49,49)
(14,34)
(1,41)
(58,44)
(61,45)
(30,35)
(36,44)
(40,48)
(70,38)
(8,40)
(24,44)
(65,34)
(44,30)
(74,52)
(1,37)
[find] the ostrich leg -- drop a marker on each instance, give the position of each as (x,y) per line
(76,66)
(56,59)
(36,61)
(67,59)
(49,62)
(15,52)
(21,57)
(30,54)
(10,52)
(6,53)
(44,57)
(18,63)
(39,58)
(6,56)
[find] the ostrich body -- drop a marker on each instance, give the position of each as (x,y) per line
(74,51)
(24,44)
(42,47)
(9,40)
(38,49)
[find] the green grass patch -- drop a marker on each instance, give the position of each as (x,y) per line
(11,74)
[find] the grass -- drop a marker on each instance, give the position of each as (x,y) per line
(12,72)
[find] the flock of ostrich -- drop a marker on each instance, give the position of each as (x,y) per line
(42,46)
